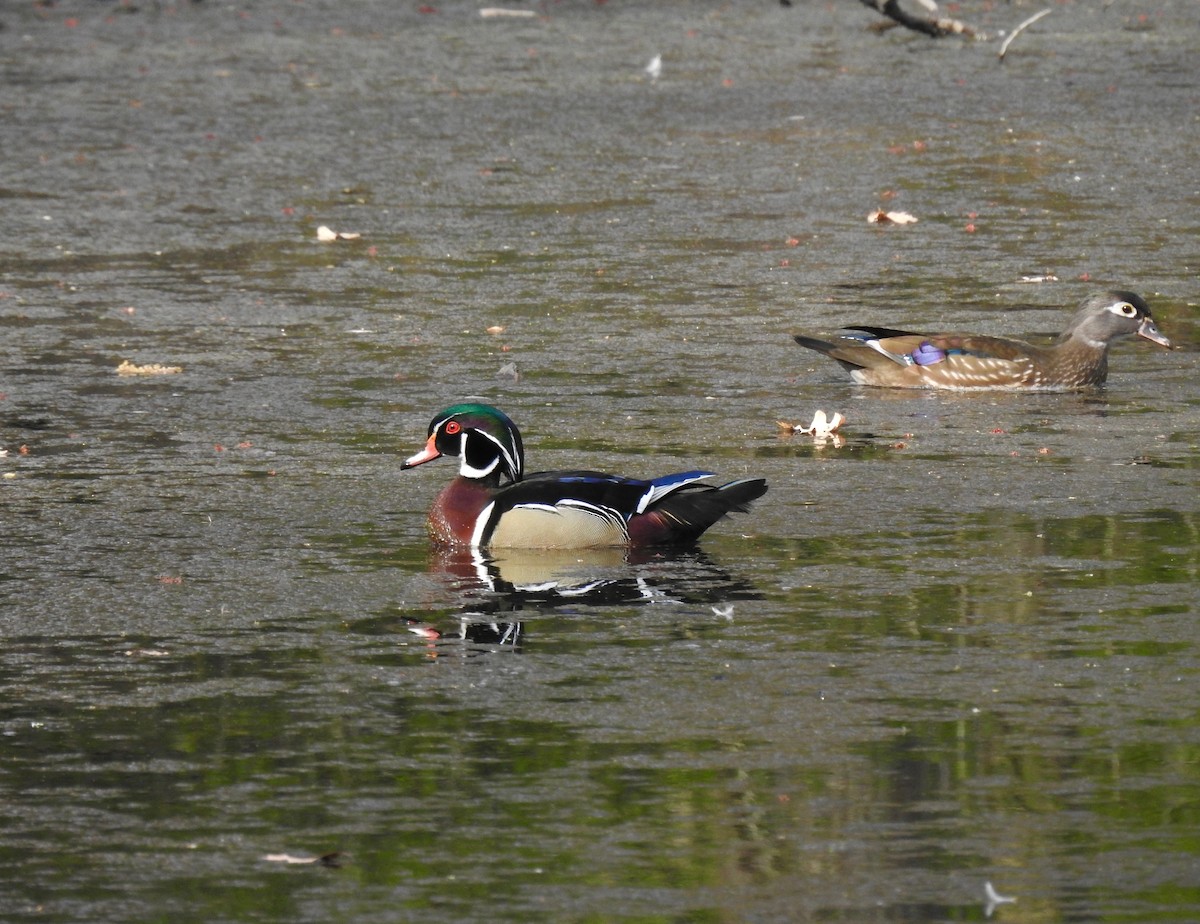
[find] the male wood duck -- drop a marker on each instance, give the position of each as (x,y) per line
(494,504)
(1078,359)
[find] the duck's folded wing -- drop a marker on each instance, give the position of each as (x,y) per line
(981,346)
(898,343)
(629,496)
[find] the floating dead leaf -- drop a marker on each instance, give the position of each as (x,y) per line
(1045,277)
(822,425)
(329,859)
(326,235)
(880,217)
(495,329)
(128,368)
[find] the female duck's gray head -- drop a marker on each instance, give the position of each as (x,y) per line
(486,441)
(1109,315)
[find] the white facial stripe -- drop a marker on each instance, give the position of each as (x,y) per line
(465,468)
(512,463)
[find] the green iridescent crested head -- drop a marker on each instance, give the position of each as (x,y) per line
(487,442)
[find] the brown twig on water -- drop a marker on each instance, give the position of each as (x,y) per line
(933,26)
(1017,31)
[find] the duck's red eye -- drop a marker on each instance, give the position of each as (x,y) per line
(453,427)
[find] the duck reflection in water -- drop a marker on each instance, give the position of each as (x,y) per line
(514,582)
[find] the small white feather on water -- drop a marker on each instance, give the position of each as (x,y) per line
(994,898)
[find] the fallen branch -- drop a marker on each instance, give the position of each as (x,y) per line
(933,26)
(1021,28)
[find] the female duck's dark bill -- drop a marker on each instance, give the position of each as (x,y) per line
(428,454)
(1149,330)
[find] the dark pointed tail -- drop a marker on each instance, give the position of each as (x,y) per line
(684,515)
(812,343)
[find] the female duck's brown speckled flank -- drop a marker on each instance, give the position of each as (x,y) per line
(1078,359)
(559,510)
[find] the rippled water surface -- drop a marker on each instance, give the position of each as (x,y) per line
(958,649)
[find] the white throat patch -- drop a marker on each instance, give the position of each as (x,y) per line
(466,469)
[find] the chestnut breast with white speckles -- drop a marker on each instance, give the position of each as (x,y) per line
(456,511)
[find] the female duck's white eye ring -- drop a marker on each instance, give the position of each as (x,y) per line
(1126,309)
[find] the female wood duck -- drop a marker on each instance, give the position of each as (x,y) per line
(1078,359)
(493,503)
